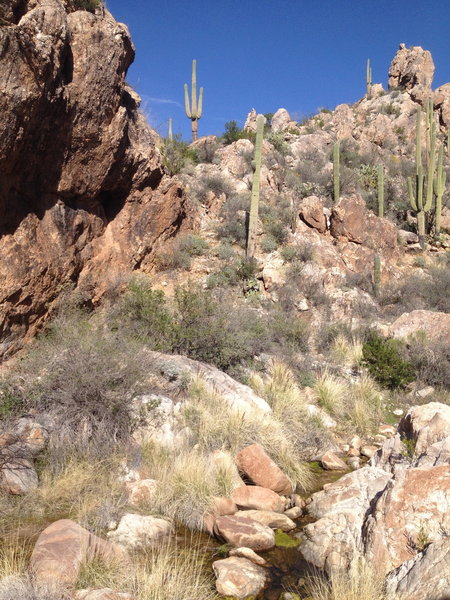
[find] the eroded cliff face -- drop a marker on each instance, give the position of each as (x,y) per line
(83,195)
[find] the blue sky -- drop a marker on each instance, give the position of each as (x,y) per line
(267,54)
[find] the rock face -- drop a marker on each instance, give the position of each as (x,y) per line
(411,67)
(139,531)
(256,464)
(83,196)
(258,498)
(62,548)
(394,512)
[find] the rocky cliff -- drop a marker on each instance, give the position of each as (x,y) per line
(83,195)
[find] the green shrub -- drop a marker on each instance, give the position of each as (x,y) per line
(178,254)
(233,133)
(89,5)
(384,361)
(176,154)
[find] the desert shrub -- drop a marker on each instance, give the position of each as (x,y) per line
(233,133)
(288,330)
(368,175)
(224,251)
(89,5)
(278,142)
(429,291)
(178,254)
(234,215)
(176,154)
(25,588)
(430,360)
(232,274)
(391,109)
(385,363)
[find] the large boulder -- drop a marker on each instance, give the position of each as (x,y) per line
(238,577)
(254,462)
(271,519)
(258,498)
(243,532)
(311,211)
(63,547)
(140,531)
(18,477)
(101,594)
(411,67)
(436,325)
(351,221)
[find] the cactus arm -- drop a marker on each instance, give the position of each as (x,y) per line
(254,202)
(194,89)
(368,79)
(380,185)
(439,189)
(418,138)
(200,104)
(186,101)
(412,199)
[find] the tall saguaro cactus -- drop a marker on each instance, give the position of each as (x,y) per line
(368,80)
(439,189)
(193,110)
(254,202)
(170,135)
(336,171)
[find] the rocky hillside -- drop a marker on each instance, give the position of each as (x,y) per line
(84,196)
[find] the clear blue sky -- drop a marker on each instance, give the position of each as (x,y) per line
(267,54)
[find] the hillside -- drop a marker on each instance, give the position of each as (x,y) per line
(176,402)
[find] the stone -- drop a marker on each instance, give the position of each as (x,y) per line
(250,555)
(387,430)
(354,462)
(140,531)
(411,67)
(351,220)
(254,462)
(407,237)
(250,121)
(368,450)
(436,325)
(141,492)
(241,531)
(294,513)
(18,477)
(331,462)
(258,498)
(274,272)
(63,547)
(424,576)
(238,577)
(311,211)
(426,425)
(271,519)
(281,121)
(220,506)
(425,392)
(101,594)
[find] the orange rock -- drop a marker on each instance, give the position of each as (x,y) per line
(258,498)
(262,470)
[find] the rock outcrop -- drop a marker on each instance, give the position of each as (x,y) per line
(83,195)
(411,67)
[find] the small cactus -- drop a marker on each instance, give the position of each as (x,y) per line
(254,202)
(380,185)
(336,170)
(368,80)
(193,110)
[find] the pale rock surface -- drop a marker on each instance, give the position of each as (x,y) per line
(250,555)
(101,594)
(426,425)
(232,158)
(254,462)
(139,531)
(274,272)
(238,577)
(250,122)
(220,506)
(18,477)
(411,67)
(271,519)
(242,531)
(281,121)
(63,547)
(425,576)
(258,498)
(311,211)
(331,462)
(368,450)
(294,513)
(436,325)
(141,492)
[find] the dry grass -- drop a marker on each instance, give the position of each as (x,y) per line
(331,393)
(82,491)
(360,583)
(16,587)
(214,425)
(347,353)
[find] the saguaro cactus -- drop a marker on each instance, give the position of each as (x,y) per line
(170,135)
(254,202)
(193,110)
(368,80)
(336,170)
(439,188)
(380,185)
